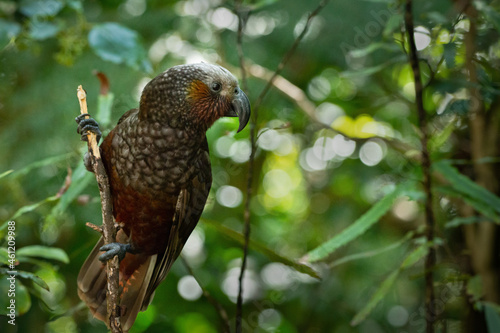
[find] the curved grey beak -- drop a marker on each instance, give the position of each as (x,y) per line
(240,107)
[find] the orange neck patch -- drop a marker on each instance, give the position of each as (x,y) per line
(198,90)
(207,106)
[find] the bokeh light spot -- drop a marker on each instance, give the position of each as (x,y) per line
(397,316)
(188,288)
(277,183)
(276,276)
(343,146)
(229,196)
(371,153)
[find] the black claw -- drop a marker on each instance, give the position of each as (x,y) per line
(114,249)
(87,125)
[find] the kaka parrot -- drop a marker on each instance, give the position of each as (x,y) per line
(158,165)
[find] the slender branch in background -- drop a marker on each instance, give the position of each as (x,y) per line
(288,88)
(481,237)
(218,307)
(242,14)
(108,228)
(430,260)
(253,139)
(288,55)
(246,217)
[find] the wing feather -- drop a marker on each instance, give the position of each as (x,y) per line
(190,204)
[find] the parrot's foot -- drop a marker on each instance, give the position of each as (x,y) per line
(115,249)
(87,125)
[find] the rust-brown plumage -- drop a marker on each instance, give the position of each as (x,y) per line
(159,169)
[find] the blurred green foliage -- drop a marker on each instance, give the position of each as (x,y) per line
(337,179)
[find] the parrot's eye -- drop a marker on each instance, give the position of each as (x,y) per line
(216,86)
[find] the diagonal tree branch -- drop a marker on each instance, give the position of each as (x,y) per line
(430,260)
(108,228)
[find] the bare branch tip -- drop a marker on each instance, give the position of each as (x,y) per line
(94,227)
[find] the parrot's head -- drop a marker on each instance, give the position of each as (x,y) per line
(195,95)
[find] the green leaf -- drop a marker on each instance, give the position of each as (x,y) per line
(360,226)
(370,254)
(464,186)
(474,288)
(367,71)
(35,278)
(4,256)
(43,30)
(6,173)
(382,290)
(256,6)
(76,5)
(300,267)
(480,206)
(40,7)
(489,13)
(26,275)
(118,44)
(363,52)
(416,255)
(458,221)
(459,107)
(28,208)
(22,297)
(492,317)
(439,139)
(37,164)
(392,25)
(45,252)
(449,53)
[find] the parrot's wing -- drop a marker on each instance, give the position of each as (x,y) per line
(190,204)
(127,114)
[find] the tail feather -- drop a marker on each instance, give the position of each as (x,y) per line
(135,277)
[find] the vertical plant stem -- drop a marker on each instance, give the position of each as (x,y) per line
(253,140)
(430,260)
(108,228)
(242,14)
(246,229)
(481,237)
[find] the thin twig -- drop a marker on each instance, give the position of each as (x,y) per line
(242,14)
(108,228)
(218,307)
(94,227)
(430,260)
(246,231)
(253,137)
(289,54)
